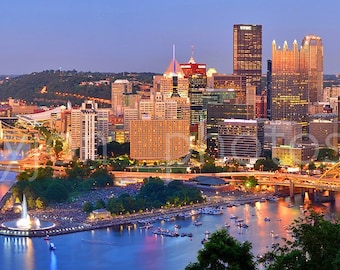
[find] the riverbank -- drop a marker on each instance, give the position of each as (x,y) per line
(69,218)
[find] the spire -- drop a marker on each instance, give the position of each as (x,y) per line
(174,68)
(192,60)
(174,57)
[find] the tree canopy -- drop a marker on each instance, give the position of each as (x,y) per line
(316,246)
(222,251)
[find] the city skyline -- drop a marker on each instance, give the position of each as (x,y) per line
(138,36)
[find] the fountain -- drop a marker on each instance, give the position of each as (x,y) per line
(25,222)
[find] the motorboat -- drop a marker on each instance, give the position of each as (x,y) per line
(197,223)
(52,246)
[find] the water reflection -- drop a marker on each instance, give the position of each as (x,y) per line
(14,246)
(53,265)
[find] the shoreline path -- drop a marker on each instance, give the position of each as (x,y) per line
(70,218)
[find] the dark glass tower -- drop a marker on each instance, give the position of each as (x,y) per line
(248,53)
(269,89)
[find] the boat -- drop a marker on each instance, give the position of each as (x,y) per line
(266,219)
(197,223)
(52,247)
(204,241)
(47,237)
(232,216)
(227,225)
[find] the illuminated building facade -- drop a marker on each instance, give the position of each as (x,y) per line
(289,84)
(197,77)
(119,88)
(312,59)
(89,128)
(159,140)
(241,139)
(247,53)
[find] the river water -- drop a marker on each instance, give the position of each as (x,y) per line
(135,248)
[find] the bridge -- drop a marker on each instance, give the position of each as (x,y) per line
(14,134)
(329,181)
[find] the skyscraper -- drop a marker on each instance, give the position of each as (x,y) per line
(197,76)
(118,89)
(312,60)
(289,84)
(247,52)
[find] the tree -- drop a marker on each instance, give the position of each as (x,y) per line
(88,207)
(56,192)
(316,246)
(327,154)
(266,164)
(224,252)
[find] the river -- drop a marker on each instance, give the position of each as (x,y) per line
(135,248)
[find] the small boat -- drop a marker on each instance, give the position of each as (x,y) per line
(52,247)
(47,237)
(197,223)
(227,225)
(266,219)
(204,241)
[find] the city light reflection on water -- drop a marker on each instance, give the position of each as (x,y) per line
(53,261)
(134,248)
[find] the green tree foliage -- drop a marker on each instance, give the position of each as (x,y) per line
(101,178)
(88,207)
(100,204)
(57,192)
(58,148)
(251,182)
(63,86)
(114,149)
(40,203)
(115,205)
(266,165)
(327,154)
(224,252)
(315,246)
(155,194)
(77,171)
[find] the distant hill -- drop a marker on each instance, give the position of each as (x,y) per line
(54,87)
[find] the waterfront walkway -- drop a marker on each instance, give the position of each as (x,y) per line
(70,219)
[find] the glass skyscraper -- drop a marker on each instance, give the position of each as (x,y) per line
(247,51)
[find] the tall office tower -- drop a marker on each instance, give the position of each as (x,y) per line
(269,89)
(289,84)
(234,86)
(197,76)
(312,59)
(102,126)
(84,130)
(118,89)
(248,53)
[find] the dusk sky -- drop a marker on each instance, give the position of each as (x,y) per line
(138,35)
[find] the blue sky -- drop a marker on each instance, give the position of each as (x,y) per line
(137,35)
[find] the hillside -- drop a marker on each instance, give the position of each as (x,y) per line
(54,87)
